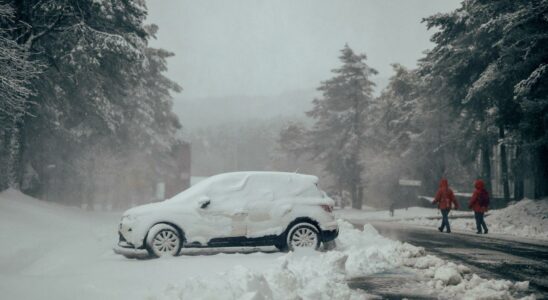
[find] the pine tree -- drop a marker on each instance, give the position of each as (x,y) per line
(339,133)
(484,50)
(397,111)
(102,95)
(16,73)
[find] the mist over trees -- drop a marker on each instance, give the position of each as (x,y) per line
(86,114)
(250,144)
(475,107)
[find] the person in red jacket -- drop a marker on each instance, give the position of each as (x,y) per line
(479,203)
(445,199)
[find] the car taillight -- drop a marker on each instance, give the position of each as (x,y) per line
(327,208)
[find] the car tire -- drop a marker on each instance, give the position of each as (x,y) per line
(303,235)
(163,240)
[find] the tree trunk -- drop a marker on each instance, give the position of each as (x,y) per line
(356,201)
(341,193)
(541,173)
(353,196)
(504,166)
(14,155)
(441,169)
(486,164)
(4,142)
(360,195)
(518,174)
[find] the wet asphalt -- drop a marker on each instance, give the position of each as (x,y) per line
(487,255)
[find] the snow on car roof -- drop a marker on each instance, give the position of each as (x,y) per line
(267,174)
(235,181)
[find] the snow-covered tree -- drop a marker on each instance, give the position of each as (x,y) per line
(397,111)
(102,88)
(16,72)
(291,139)
(339,133)
(484,51)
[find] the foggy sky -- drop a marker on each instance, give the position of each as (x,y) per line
(258,47)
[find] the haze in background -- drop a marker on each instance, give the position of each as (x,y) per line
(271,50)
(256,64)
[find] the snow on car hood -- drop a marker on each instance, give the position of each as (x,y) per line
(145,209)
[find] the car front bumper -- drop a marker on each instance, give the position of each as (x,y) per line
(127,249)
(130,252)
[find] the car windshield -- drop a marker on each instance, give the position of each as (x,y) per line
(199,189)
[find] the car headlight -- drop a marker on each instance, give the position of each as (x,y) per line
(127,221)
(128,218)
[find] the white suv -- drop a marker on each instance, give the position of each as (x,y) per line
(286,210)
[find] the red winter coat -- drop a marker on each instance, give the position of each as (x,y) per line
(475,200)
(445,197)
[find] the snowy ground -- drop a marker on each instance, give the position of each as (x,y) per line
(526,218)
(371,214)
(54,252)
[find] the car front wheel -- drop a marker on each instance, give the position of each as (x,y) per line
(163,241)
(303,235)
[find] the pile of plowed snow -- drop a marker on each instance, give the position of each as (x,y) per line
(54,252)
(525,218)
(314,275)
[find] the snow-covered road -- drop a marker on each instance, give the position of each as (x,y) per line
(49,251)
(487,255)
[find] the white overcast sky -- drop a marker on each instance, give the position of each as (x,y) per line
(259,47)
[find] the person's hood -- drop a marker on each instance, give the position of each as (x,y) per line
(444,184)
(479,184)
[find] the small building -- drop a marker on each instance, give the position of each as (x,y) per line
(409,192)
(179,180)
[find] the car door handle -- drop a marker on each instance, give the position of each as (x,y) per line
(241,213)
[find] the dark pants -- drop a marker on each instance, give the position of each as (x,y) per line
(445,219)
(480,222)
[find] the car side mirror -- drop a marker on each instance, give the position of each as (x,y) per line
(204,202)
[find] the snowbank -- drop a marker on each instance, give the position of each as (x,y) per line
(525,218)
(55,252)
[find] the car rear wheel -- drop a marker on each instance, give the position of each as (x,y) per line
(163,241)
(303,235)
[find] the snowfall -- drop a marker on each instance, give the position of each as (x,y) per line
(55,252)
(525,219)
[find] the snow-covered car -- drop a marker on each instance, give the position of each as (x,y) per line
(286,210)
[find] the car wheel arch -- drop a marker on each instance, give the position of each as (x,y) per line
(281,244)
(303,220)
(180,232)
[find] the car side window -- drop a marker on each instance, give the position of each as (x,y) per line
(225,194)
(310,191)
(260,205)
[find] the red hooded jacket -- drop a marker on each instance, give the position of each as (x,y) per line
(445,197)
(475,204)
